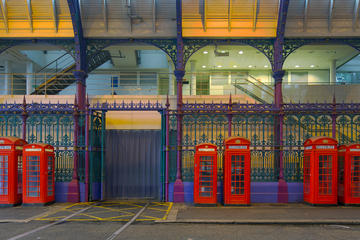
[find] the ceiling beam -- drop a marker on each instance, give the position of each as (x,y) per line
(203,13)
(29,14)
(306,11)
(105,14)
(229,15)
(80,8)
(255,13)
(54,15)
(355,15)
(154,15)
(4,14)
(330,16)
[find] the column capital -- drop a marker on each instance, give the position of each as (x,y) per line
(278,76)
(80,74)
(179,74)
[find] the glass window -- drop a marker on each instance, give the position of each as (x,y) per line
(33,176)
(3,174)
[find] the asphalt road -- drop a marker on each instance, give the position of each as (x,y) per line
(140,231)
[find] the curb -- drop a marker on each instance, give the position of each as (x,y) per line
(264,222)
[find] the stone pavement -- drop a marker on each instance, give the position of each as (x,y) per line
(264,214)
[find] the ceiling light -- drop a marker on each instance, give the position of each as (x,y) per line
(312,66)
(222,51)
(234,66)
(297,66)
(241,52)
(205,52)
(219,66)
(250,66)
(266,66)
(203,66)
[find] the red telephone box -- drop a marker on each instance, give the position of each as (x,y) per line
(237,169)
(205,177)
(38,169)
(320,171)
(349,174)
(11,149)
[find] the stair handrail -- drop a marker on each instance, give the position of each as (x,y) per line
(52,62)
(261,83)
(248,81)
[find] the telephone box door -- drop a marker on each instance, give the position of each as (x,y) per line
(237,169)
(205,177)
(327,177)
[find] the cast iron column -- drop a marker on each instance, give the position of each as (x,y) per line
(167,123)
(179,186)
(230,116)
(278,75)
(179,74)
(73,188)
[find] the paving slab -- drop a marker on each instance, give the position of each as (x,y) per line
(265,214)
(26,213)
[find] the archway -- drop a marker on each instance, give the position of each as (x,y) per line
(318,72)
(239,70)
(27,66)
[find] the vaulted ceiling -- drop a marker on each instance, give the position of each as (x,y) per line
(201,18)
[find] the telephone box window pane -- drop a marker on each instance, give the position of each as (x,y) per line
(50,176)
(4,175)
(307,174)
(355,176)
(33,176)
(237,174)
(19,174)
(325,175)
(206,176)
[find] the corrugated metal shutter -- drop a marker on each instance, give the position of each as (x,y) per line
(132,167)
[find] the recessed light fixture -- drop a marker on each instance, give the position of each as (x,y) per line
(297,66)
(241,52)
(250,66)
(234,66)
(312,65)
(266,66)
(205,52)
(219,66)
(203,66)
(222,51)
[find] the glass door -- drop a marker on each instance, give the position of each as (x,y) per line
(206,176)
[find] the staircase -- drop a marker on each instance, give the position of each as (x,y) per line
(57,81)
(243,85)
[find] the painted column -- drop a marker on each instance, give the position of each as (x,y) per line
(193,78)
(230,116)
(73,188)
(278,75)
(80,77)
(179,186)
(333,71)
(29,77)
(179,74)
(8,77)
(167,124)
(171,80)
(87,115)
